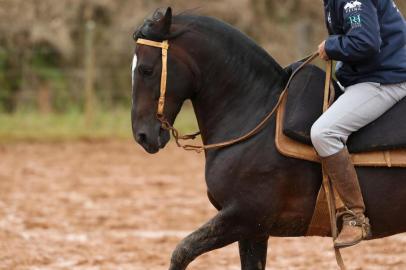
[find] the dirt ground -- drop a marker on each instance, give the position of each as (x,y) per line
(109,205)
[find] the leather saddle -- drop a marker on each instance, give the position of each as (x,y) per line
(381,143)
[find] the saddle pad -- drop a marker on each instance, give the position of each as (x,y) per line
(304,106)
(295,149)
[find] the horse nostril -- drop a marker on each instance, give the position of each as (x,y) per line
(141,137)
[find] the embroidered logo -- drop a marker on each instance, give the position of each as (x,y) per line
(353,6)
(355,21)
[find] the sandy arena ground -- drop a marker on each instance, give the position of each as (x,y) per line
(109,205)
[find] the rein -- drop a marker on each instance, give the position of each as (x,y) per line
(200,148)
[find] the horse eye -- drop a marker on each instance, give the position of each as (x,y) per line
(145,71)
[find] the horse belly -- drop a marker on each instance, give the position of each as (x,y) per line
(384,191)
(267,193)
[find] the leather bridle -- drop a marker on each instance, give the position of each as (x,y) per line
(164,45)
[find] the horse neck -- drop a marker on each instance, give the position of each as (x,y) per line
(239,86)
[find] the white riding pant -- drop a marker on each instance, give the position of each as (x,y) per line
(359,105)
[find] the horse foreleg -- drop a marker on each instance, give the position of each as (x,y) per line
(253,253)
(220,231)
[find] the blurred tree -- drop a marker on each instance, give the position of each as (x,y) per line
(89,60)
(42,53)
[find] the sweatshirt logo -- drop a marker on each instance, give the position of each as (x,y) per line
(353,6)
(355,21)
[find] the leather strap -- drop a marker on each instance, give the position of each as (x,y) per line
(164,45)
(327,82)
(331,195)
(200,148)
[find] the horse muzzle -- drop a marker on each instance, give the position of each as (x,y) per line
(152,142)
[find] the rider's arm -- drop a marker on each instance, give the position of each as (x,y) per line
(362,32)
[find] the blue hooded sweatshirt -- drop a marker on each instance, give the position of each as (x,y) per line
(368,38)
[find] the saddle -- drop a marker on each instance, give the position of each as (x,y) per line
(381,143)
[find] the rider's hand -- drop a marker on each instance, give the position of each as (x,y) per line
(322,51)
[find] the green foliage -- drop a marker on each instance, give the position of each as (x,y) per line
(46,65)
(72,125)
(6,85)
(69,125)
(4,92)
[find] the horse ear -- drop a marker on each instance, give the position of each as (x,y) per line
(165,22)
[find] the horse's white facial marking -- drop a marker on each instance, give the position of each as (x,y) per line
(133,67)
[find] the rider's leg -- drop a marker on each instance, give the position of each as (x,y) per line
(358,106)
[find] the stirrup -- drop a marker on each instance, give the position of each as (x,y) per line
(359,220)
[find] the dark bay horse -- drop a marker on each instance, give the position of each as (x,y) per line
(233,84)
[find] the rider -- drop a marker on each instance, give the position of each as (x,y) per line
(368,39)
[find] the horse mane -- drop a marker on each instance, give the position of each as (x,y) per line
(146,30)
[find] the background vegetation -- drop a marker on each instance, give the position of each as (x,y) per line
(64,66)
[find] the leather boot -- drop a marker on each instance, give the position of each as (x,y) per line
(355,226)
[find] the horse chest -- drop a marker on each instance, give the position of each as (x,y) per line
(247,187)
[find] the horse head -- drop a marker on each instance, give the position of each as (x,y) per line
(146,74)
